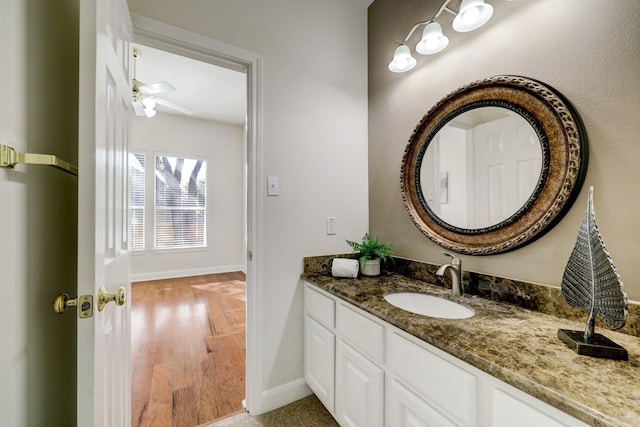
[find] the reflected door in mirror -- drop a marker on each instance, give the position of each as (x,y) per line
(481,168)
(507,161)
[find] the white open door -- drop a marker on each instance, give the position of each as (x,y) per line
(103,258)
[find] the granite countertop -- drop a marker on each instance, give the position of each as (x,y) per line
(513,344)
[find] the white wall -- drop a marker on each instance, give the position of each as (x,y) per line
(314,136)
(588,50)
(222,146)
(13,363)
(38,212)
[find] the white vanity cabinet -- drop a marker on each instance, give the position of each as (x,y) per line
(319,345)
(369,373)
(343,353)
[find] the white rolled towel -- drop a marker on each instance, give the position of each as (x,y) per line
(344,267)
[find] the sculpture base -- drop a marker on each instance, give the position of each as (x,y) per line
(598,346)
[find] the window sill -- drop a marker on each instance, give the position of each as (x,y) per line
(178,250)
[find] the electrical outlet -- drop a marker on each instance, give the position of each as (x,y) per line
(331,225)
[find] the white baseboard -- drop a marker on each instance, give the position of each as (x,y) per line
(284,394)
(159,275)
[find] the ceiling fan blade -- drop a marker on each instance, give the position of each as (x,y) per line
(155,88)
(174,106)
(138,108)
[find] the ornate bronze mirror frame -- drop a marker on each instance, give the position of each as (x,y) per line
(563,163)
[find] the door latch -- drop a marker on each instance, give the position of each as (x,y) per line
(62,302)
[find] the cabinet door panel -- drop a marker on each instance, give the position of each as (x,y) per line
(319,361)
(359,389)
(405,409)
(447,387)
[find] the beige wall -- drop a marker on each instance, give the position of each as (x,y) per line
(52,199)
(314,138)
(589,50)
(222,146)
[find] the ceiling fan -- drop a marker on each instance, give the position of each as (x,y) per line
(144,95)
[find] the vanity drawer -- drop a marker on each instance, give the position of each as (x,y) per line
(509,410)
(447,387)
(319,306)
(362,332)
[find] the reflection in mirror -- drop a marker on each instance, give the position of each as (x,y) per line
(481,167)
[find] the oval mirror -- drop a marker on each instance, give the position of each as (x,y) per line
(493,165)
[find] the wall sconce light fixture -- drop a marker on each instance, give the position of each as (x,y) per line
(471,15)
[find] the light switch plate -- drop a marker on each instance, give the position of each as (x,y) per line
(273,186)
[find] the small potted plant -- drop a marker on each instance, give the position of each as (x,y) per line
(371,252)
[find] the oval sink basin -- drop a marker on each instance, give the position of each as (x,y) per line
(428,305)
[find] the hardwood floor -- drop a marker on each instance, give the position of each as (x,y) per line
(187,349)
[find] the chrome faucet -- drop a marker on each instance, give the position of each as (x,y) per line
(455,266)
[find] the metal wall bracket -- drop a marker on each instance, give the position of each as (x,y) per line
(10,157)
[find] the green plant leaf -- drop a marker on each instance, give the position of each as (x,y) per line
(371,248)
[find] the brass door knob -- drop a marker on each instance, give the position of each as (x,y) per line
(104,297)
(62,303)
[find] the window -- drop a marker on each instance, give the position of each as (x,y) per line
(136,200)
(180,202)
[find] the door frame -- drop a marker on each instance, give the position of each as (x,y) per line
(185,43)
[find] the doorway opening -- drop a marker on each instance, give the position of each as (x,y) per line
(188,360)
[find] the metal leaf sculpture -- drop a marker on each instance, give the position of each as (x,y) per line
(591,281)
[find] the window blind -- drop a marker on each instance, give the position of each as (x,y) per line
(136,200)
(180,202)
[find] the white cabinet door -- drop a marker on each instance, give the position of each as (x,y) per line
(359,389)
(405,409)
(319,362)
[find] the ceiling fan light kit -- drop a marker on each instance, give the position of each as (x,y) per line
(144,99)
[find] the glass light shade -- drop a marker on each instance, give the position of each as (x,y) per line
(433,41)
(150,112)
(473,14)
(149,103)
(402,60)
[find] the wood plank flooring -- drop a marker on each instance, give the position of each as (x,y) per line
(187,349)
